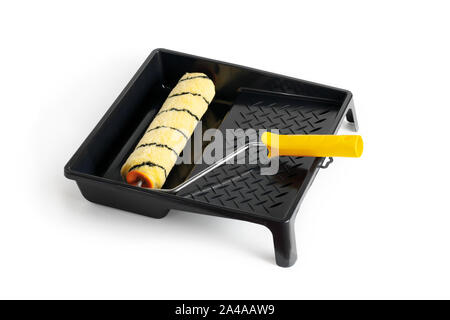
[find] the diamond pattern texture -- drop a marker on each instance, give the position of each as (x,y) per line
(241,186)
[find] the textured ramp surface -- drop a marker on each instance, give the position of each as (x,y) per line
(240,186)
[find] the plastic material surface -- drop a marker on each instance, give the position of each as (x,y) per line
(313,145)
(236,191)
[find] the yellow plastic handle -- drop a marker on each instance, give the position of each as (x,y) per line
(313,145)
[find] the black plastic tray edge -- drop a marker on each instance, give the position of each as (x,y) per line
(68,172)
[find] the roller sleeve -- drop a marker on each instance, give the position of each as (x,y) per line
(165,138)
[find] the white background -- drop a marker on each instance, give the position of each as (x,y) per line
(374,227)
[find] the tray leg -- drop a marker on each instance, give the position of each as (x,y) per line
(284,241)
(351,115)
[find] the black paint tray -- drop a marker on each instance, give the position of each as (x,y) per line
(245,98)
